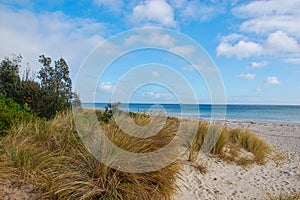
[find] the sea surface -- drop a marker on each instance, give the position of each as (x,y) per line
(274,113)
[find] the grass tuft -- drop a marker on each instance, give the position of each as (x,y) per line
(234,145)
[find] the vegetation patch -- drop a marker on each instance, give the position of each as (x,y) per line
(50,156)
(235,145)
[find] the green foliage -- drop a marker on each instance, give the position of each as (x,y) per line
(109,110)
(56,87)
(9,77)
(76,103)
(30,95)
(11,113)
(51,95)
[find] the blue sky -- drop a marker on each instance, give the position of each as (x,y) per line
(254,44)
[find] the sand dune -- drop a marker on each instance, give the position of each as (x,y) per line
(229,181)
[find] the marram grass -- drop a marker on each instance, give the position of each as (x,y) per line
(50,156)
(235,145)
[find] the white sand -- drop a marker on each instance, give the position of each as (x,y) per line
(229,181)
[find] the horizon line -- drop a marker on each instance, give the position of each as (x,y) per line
(154,103)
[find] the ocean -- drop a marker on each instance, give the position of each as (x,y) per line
(274,113)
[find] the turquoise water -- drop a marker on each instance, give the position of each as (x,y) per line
(275,113)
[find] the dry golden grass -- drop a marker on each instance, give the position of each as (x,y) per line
(236,145)
(50,156)
(198,141)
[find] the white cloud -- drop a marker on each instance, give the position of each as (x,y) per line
(115,5)
(53,34)
(198,11)
(157,12)
(106,86)
(178,3)
(158,95)
(259,89)
(293,60)
(280,42)
(276,27)
(233,37)
(267,8)
(240,50)
(159,39)
(268,24)
(155,74)
(247,76)
(188,10)
(264,17)
(183,50)
(191,68)
(153,39)
(277,42)
(272,80)
(254,64)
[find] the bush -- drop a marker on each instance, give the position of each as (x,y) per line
(11,113)
(109,110)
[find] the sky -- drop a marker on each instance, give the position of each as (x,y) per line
(252,48)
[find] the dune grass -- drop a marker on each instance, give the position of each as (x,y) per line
(235,145)
(50,156)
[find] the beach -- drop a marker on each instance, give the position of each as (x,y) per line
(225,180)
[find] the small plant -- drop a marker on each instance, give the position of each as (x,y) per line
(109,110)
(278,158)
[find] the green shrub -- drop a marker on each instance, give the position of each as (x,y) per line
(109,111)
(11,113)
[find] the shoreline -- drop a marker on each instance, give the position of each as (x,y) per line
(211,119)
(229,181)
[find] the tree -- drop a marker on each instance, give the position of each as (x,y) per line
(56,86)
(51,95)
(9,77)
(30,94)
(76,103)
